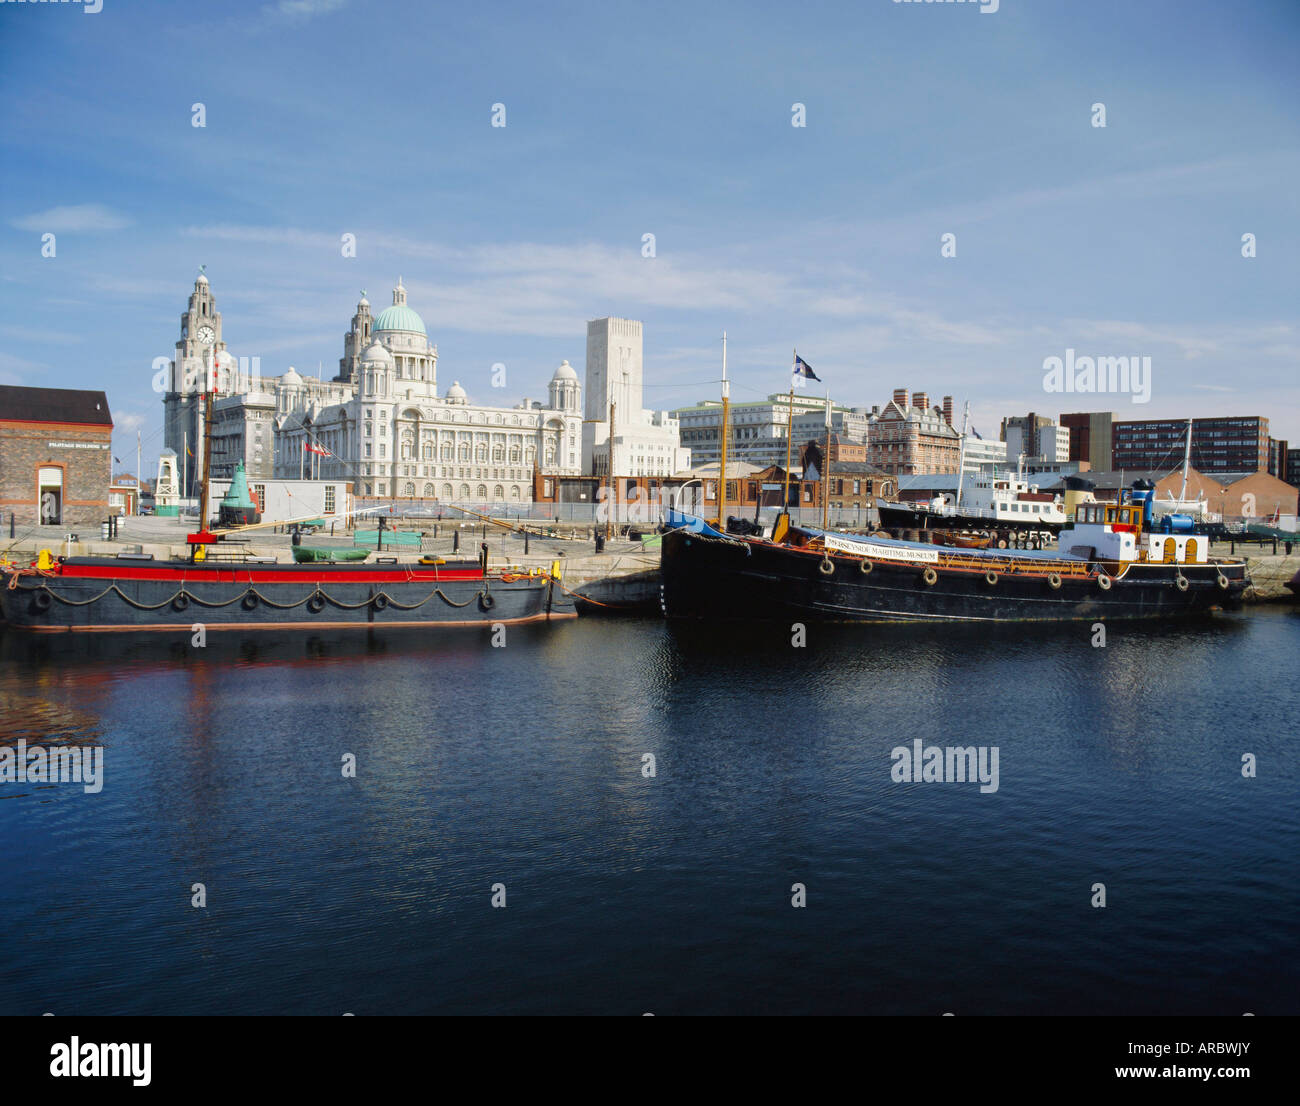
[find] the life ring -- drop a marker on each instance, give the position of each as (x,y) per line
(1104,582)
(316,603)
(486,601)
(1223,582)
(991,578)
(379,602)
(249,601)
(930,577)
(1054,580)
(827,567)
(1180,582)
(41,599)
(865,566)
(181,602)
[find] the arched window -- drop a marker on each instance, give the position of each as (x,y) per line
(482,491)
(410,491)
(514,492)
(498,492)
(447,451)
(428,491)
(464,491)
(447,493)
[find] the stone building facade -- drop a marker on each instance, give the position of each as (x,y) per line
(380,422)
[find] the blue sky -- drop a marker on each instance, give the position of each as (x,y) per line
(327,117)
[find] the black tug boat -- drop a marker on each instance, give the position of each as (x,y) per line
(1110,564)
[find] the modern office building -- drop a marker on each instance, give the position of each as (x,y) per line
(1037,437)
(1090,437)
(1227,444)
(757,430)
(645,442)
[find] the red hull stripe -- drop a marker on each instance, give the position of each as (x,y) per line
(289,574)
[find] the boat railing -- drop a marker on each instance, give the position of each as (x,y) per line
(949,558)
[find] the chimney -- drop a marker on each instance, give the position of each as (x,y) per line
(900,397)
(947,409)
(921,400)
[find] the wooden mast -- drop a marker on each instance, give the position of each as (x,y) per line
(826,469)
(722,470)
(789,434)
(613,480)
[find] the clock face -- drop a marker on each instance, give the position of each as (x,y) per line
(207,335)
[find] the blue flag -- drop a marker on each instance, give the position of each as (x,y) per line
(802,368)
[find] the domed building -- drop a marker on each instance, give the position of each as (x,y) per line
(384,426)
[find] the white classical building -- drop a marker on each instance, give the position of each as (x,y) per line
(645,443)
(380,421)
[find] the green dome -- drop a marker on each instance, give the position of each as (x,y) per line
(400,317)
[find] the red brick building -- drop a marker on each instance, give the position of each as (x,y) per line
(56,456)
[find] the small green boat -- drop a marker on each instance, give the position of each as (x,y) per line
(305,554)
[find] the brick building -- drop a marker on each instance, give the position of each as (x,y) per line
(56,456)
(909,435)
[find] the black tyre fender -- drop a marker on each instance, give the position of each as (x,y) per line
(929,577)
(379,602)
(316,603)
(249,601)
(827,567)
(486,601)
(181,602)
(41,599)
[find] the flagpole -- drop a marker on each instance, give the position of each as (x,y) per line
(138,477)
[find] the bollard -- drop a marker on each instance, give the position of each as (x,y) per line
(526,544)
(455,541)
(12,517)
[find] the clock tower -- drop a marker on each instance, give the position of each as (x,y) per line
(199,343)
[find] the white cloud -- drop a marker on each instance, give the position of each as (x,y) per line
(299,11)
(77,217)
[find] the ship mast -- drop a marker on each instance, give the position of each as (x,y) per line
(961,461)
(722,469)
(826,469)
(789,434)
(1187,460)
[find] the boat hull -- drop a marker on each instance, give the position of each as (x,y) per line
(723,578)
(103,595)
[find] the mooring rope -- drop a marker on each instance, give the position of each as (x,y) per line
(483,594)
